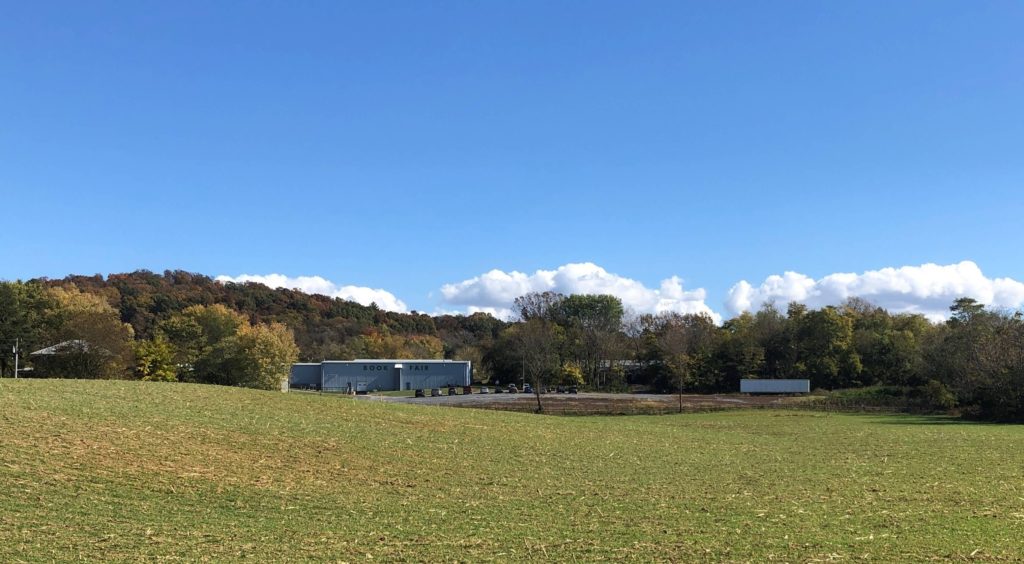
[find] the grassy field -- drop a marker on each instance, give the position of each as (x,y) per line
(126,470)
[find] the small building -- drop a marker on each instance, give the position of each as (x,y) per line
(66,347)
(76,358)
(367,375)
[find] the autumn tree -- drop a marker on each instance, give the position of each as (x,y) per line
(980,357)
(538,305)
(637,329)
(685,343)
(90,339)
(263,354)
(771,331)
(385,344)
(475,355)
(198,336)
(538,341)
(825,354)
(740,353)
(23,321)
(593,325)
(154,360)
(217,345)
(187,342)
(889,346)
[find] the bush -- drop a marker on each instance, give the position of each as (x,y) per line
(932,397)
(935,395)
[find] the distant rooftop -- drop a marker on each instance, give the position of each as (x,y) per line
(61,348)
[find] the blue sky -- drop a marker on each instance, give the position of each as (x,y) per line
(408,146)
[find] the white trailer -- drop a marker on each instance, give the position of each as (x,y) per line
(773,386)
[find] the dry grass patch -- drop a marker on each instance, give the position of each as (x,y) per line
(128,471)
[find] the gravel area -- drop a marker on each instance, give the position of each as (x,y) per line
(589,399)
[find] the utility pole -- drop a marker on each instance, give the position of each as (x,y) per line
(16,342)
(524,368)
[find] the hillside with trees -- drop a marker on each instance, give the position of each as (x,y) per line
(179,326)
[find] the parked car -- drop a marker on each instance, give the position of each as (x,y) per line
(498,390)
(574,390)
(527,389)
(435,392)
(485,390)
(451,391)
(420,394)
(512,389)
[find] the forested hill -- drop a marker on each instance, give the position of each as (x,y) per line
(190,328)
(324,327)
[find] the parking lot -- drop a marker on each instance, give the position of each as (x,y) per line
(591,402)
(458,399)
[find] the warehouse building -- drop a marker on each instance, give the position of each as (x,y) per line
(368,375)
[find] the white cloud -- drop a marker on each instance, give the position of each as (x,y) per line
(318,285)
(495,291)
(928,289)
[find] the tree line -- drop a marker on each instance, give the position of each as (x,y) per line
(179,326)
(83,336)
(974,361)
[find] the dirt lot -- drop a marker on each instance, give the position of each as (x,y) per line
(601,403)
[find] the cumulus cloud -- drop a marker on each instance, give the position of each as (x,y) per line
(318,285)
(928,289)
(495,291)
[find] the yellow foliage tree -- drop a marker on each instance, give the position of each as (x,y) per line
(265,353)
(93,342)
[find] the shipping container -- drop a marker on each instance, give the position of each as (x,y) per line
(775,386)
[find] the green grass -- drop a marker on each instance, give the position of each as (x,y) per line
(397,393)
(128,471)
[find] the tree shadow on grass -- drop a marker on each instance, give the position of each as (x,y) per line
(911,419)
(885,416)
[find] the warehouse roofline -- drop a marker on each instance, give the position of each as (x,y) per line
(434,360)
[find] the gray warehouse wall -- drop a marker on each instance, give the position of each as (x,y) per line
(376,376)
(304,376)
(424,375)
(382,374)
